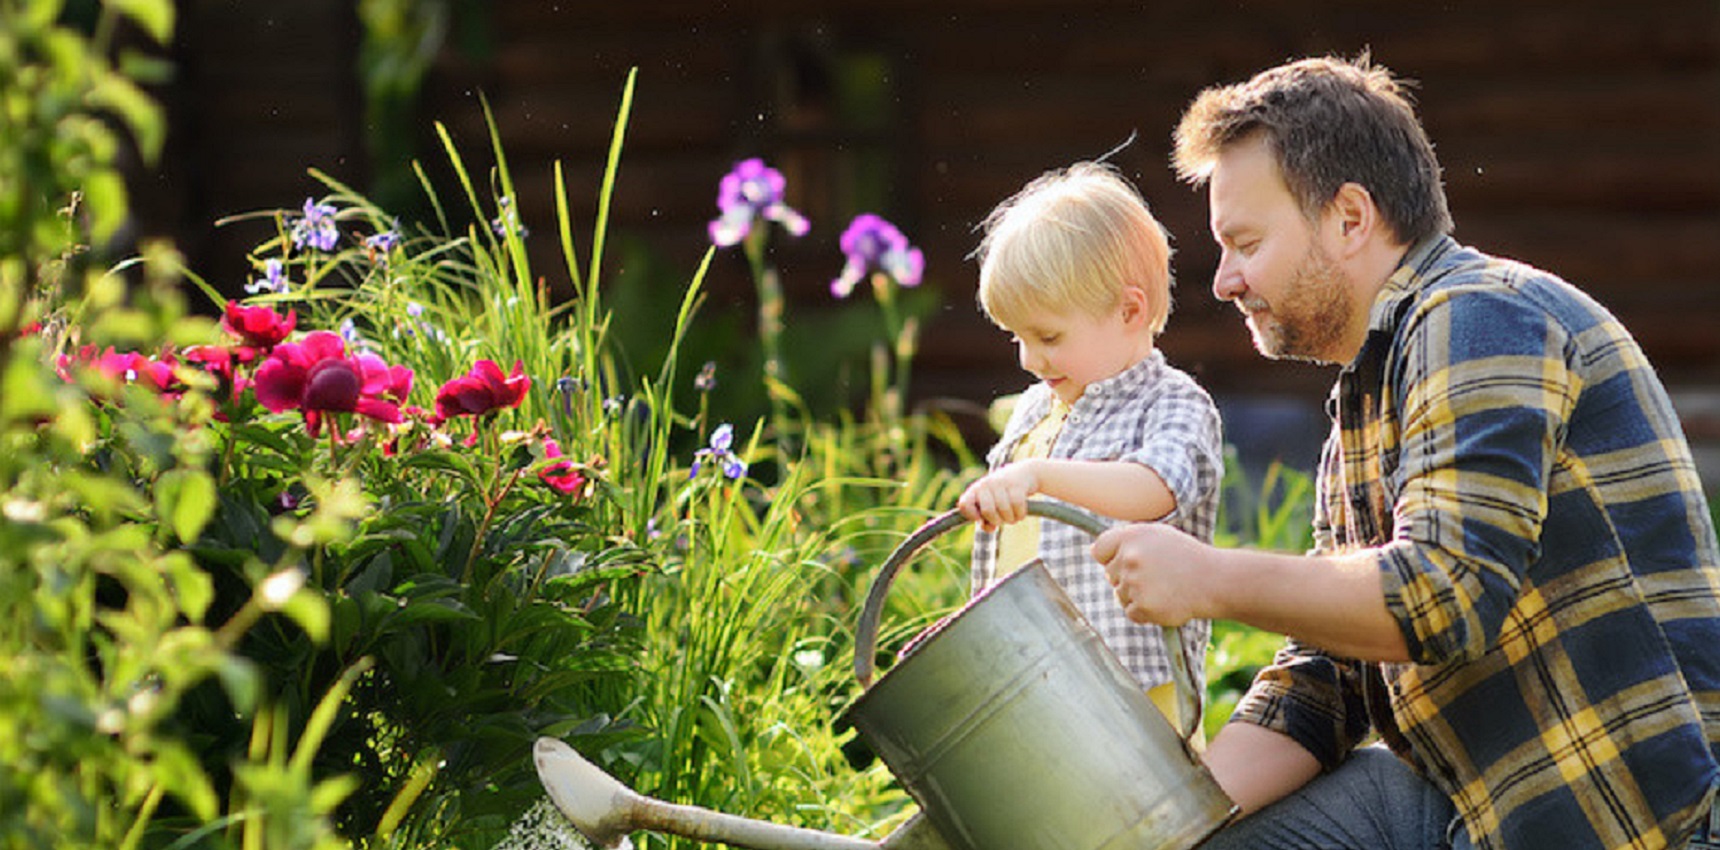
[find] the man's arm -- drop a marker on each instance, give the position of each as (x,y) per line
(1257,766)
(1121,489)
(1335,602)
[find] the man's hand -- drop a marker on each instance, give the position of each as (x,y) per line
(1156,570)
(1335,602)
(1000,497)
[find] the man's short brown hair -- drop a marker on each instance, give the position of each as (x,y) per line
(1327,121)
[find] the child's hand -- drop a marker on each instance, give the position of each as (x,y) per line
(1000,498)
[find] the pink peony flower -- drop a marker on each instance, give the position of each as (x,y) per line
(127,367)
(561,475)
(483,390)
(258,326)
(316,377)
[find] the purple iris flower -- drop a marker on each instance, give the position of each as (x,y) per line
(383,242)
(752,190)
(317,228)
(871,242)
(507,219)
(274,279)
(721,451)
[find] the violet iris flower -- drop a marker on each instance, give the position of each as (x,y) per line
(873,243)
(317,229)
(720,450)
(274,279)
(752,190)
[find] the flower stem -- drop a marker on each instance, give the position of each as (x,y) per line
(770,312)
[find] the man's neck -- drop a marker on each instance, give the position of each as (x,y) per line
(1368,273)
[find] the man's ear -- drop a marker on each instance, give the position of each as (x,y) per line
(1353,218)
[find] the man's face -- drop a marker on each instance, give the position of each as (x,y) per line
(1297,301)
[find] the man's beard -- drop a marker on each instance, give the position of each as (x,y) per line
(1310,319)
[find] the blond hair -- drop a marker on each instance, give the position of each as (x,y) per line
(1073,238)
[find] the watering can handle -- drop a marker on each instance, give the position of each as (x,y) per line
(866,636)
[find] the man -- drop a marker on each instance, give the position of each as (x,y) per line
(1514,581)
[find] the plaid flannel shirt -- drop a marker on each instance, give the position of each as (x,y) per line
(1152,414)
(1546,549)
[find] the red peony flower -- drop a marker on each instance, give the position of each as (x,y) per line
(561,475)
(221,362)
(316,377)
(483,390)
(258,326)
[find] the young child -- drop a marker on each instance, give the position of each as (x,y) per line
(1076,268)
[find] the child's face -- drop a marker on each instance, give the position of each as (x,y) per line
(1071,350)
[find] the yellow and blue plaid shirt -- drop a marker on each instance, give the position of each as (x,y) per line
(1546,549)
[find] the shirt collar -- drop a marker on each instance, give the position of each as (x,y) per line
(1143,372)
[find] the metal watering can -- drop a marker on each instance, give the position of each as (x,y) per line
(1010,723)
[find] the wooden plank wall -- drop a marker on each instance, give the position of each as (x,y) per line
(1579,135)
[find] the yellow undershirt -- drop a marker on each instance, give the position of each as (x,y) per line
(1018,543)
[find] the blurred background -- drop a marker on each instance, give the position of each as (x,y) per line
(1582,136)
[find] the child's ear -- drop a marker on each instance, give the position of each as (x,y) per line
(1134,302)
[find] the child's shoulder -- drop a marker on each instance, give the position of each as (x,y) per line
(1153,379)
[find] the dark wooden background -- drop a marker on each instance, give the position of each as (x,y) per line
(1579,135)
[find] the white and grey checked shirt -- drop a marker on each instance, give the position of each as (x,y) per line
(1153,414)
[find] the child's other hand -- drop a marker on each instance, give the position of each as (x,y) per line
(999,498)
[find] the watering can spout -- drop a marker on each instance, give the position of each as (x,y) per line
(598,806)
(606,811)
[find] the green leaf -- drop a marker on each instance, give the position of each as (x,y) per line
(155,16)
(180,773)
(433,611)
(329,793)
(193,587)
(448,462)
(105,496)
(185,500)
(27,392)
(309,609)
(142,115)
(242,682)
(104,197)
(345,619)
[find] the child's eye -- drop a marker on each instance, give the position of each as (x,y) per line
(1048,339)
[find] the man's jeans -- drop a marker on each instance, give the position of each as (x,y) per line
(1373,801)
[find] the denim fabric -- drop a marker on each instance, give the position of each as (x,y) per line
(1373,801)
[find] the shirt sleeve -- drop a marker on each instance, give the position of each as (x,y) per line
(1182,441)
(1315,699)
(1485,391)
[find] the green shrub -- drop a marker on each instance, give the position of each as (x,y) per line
(319,575)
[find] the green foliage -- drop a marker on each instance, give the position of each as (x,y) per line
(65,106)
(231,624)
(109,624)
(1275,514)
